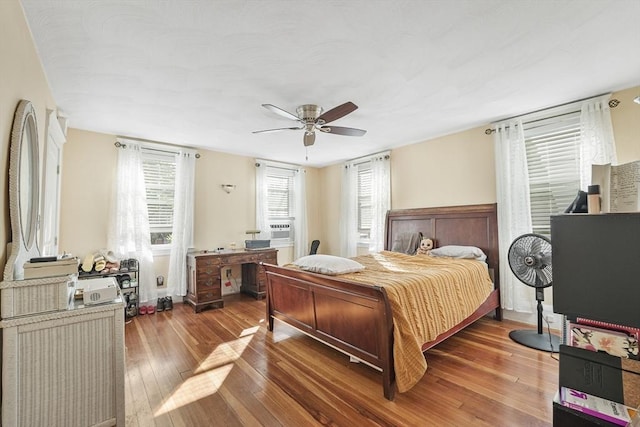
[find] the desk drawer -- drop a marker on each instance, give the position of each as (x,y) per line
(206,282)
(208,262)
(208,295)
(207,271)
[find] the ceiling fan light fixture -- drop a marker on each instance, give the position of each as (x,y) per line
(312,117)
(309,112)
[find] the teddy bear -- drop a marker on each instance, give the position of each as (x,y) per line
(425,247)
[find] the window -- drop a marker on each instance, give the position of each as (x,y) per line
(279,193)
(553,162)
(366,198)
(365,206)
(159,176)
(280,203)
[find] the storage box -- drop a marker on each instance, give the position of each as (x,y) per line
(35,296)
(257,244)
(63,267)
(99,290)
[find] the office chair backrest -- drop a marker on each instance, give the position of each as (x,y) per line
(314,247)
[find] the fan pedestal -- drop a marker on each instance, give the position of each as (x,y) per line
(532,339)
(537,339)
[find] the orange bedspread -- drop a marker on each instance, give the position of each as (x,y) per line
(428,296)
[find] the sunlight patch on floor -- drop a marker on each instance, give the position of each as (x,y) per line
(209,376)
(195,388)
(249,331)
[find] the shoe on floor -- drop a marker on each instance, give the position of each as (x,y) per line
(151,309)
(168,303)
(142,310)
(160,305)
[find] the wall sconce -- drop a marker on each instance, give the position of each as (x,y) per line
(228,187)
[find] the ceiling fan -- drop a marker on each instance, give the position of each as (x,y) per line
(311,118)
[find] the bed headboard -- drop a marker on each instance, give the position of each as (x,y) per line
(469,225)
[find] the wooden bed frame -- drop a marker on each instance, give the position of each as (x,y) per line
(355,318)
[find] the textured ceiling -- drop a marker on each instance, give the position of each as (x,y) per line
(194,72)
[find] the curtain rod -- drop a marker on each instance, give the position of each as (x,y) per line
(119,144)
(386,155)
(278,165)
(613,103)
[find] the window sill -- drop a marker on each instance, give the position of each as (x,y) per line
(161,250)
(275,244)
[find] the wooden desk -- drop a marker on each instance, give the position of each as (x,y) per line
(204,270)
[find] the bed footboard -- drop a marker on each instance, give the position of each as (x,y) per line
(353,318)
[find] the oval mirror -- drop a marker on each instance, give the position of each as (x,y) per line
(24,190)
(28,180)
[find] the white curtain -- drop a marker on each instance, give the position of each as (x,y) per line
(597,145)
(514,210)
(380,200)
(301,240)
(128,235)
(182,233)
(262,211)
(349,211)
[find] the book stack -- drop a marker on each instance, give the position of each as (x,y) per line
(50,267)
(600,370)
(598,407)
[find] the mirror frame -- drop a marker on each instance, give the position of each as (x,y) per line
(24,242)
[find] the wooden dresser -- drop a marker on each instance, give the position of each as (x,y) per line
(204,270)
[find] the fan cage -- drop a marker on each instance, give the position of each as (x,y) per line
(530,260)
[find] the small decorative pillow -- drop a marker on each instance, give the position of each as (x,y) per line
(455,251)
(328,264)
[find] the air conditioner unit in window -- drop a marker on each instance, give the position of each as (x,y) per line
(281,230)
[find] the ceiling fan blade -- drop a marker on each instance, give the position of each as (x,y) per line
(275,130)
(337,112)
(339,130)
(309,138)
(279,111)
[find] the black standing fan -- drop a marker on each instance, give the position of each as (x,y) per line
(530,261)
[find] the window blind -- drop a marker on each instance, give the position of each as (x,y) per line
(365,213)
(279,193)
(553,163)
(159,174)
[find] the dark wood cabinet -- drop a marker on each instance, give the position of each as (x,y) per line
(204,271)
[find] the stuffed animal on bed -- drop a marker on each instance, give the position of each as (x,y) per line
(425,247)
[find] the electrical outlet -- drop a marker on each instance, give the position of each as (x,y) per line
(228,272)
(549,318)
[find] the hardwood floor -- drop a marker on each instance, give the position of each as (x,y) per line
(222,368)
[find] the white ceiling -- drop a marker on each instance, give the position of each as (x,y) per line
(194,72)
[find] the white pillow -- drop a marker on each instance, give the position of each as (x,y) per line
(455,251)
(328,264)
